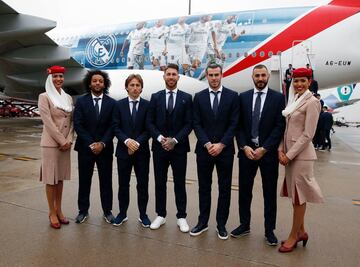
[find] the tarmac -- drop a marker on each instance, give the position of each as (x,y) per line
(26,238)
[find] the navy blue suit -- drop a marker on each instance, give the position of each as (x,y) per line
(125,128)
(178,125)
(271,130)
(215,129)
(91,129)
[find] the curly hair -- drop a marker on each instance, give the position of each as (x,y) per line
(90,74)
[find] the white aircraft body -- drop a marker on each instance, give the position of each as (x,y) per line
(326,37)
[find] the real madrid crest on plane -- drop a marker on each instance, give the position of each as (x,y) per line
(100,50)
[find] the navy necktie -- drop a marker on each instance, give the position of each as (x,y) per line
(133,112)
(97,108)
(215,106)
(256,116)
(170,102)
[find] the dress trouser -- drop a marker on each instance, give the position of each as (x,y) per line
(177,161)
(269,170)
(86,163)
(205,167)
(141,168)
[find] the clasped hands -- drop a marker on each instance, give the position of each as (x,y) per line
(283,159)
(168,143)
(96,147)
(132,146)
(214,149)
(65,147)
(252,154)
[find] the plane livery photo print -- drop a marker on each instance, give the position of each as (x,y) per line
(191,42)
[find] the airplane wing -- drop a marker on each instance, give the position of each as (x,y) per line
(26,52)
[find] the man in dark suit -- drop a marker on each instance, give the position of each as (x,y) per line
(328,122)
(288,79)
(261,127)
(94,143)
(169,122)
(215,120)
(132,149)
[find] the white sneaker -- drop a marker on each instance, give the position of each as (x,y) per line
(157,222)
(183,225)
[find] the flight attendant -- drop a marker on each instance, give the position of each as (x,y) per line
(55,108)
(296,152)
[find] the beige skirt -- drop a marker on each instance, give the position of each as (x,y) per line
(299,177)
(55,165)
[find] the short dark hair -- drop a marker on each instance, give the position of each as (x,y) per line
(90,74)
(260,66)
(172,66)
(134,76)
(213,65)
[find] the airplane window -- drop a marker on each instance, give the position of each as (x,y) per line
(123,60)
(270,54)
(245,54)
(238,54)
(262,54)
(278,53)
(117,60)
(253,54)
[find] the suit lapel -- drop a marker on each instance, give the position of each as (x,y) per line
(139,113)
(267,104)
(163,102)
(90,102)
(249,102)
(223,102)
(303,101)
(208,104)
(126,109)
(103,107)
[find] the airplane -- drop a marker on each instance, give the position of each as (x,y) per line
(273,37)
(341,96)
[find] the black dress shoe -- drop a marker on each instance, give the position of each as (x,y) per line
(198,229)
(222,233)
(109,218)
(271,239)
(82,216)
(242,230)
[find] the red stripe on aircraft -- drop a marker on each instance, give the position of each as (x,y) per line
(316,21)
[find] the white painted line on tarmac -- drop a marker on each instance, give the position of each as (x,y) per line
(344,162)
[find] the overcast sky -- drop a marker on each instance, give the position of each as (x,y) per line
(75,13)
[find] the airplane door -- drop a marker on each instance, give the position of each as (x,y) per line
(302,54)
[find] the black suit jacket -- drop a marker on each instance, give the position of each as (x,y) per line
(327,119)
(221,128)
(271,125)
(181,120)
(124,127)
(88,128)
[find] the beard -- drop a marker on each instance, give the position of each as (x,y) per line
(171,84)
(261,85)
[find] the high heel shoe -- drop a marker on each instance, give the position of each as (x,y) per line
(304,238)
(56,225)
(63,221)
(284,249)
